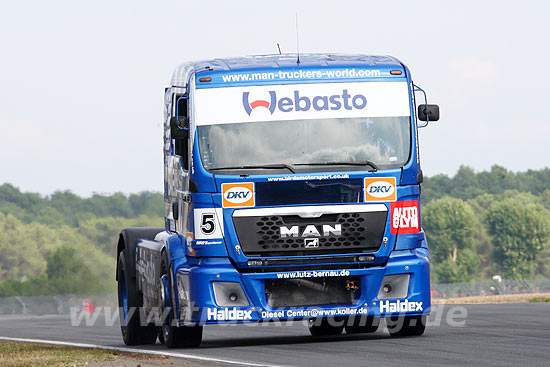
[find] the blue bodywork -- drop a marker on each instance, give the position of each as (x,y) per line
(196,264)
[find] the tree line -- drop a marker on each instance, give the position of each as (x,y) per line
(478,224)
(494,222)
(64,243)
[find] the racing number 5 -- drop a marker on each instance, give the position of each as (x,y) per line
(208,224)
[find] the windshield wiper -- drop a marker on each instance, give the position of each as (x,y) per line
(261,166)
(360,163)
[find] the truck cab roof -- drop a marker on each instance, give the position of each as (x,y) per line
(182,72)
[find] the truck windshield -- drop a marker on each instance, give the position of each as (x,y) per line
(385,141)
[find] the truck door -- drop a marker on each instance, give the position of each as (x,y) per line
(177,165)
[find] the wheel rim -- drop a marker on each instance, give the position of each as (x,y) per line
(123,294)
(165,300)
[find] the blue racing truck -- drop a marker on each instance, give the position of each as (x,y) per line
(291,189)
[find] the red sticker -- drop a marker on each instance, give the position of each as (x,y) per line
(404,217)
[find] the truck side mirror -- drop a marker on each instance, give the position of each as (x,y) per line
(426,111)
(179,127)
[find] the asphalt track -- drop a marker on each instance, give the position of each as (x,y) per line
(492,335)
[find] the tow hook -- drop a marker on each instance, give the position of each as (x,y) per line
(351,285)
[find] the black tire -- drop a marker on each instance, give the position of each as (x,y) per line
(362,325)
(161,336)
(406,325)
(326,326)
(181,336)
(130,307)
(174,336)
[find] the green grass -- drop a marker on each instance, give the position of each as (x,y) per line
(540,299)
(36,355)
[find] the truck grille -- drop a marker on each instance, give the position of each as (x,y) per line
(297,231)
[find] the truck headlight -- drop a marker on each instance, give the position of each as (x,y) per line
(229,294)
(394,287)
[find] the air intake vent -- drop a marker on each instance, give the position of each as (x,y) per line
(309,192)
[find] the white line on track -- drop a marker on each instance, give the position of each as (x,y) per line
(140,351)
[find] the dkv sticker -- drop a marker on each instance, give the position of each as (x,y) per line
(240,194)
(380,189)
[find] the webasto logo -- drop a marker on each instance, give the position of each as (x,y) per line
(301,103)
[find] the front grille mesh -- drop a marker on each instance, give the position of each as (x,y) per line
(260,236)
(351,227)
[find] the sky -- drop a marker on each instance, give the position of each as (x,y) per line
(81,82)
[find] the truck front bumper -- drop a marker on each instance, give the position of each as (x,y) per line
(246,300)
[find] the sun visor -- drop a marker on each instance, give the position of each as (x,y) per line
(301,101)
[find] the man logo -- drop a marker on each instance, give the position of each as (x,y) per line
(249,106)
(311,231)
(311,242)
(238,194)
(380,189)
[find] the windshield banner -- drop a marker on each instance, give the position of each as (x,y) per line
(301,101)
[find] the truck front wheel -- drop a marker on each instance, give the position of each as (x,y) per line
(130,308)
(326,326)
(363,324)
(406,325)
(175,336)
